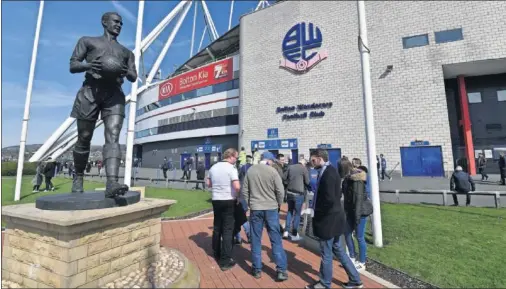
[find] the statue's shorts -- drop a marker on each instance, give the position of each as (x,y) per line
(95,98)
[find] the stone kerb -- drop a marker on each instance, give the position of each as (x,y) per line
(69,249)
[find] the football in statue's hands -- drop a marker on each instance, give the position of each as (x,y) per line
(111,66)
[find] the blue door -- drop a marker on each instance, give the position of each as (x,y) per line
(183,159)
(295,156)
(207,161)
(423,161)
(334,156)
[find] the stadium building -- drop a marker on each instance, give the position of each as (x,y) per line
(195,112)
(438,74)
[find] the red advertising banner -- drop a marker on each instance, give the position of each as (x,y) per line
(211,74)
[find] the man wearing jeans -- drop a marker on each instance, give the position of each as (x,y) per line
(224,183)
(263,190)
(329,223)
(297,178)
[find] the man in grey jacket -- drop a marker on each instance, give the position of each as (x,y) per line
(297,178)
(263,191)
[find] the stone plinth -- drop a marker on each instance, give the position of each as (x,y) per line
(69,249)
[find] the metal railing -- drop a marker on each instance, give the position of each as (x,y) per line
(444,193)
(153,180)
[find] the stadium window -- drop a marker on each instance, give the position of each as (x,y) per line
(501,95)
(474,97)
(176,98)
(204,91)
(165,101)
(448,35)
(415,41)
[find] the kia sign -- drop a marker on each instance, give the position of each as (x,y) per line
(166,89)
(211,74)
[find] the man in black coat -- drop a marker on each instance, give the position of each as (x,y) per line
(502,168)
(329,222)
(201,175)
(49,174)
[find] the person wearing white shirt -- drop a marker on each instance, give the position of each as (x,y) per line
(223,180)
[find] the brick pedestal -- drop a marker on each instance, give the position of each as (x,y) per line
(69,249)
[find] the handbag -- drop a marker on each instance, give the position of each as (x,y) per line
(367,207)
(239,215)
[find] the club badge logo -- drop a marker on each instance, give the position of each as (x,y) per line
(301,48)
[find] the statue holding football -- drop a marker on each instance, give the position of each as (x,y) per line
(105,63)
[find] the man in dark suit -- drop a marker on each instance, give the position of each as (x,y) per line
(329,222)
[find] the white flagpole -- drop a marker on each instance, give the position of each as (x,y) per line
(26,116)
(133,99)
(369,124)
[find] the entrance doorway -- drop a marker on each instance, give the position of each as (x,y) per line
(207,160)
(183,159)
(423,161)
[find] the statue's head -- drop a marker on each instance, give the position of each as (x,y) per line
(112,22)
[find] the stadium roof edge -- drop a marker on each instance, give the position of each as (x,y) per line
(255,11)
(225,45)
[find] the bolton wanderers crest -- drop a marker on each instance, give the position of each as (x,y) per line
(301,48)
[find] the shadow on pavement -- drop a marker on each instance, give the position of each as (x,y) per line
(242,253)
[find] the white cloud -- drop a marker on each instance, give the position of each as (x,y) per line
(124,12)
(44,94)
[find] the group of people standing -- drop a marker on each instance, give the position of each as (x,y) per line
(264,186)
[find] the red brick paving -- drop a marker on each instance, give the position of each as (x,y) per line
(193,238)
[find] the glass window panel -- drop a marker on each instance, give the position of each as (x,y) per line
(176,98)
(501,95)
(165,101)
(204,91)
(474,97)
(449,35)
(415,41)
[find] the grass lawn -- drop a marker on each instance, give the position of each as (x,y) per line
(187,201)
(446,246)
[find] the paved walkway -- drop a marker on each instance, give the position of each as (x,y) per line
(193,238)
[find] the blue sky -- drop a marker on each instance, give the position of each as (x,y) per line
(64,22)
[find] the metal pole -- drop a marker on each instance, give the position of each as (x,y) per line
(165,48)
(161,26)
(210,21)
(133,98)
(369,124)
(26,116)
(52,140)
(202,38)
(194,24)
(230,17)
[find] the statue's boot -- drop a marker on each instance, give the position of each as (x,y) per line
(80,161)
(77,183)
(112,160)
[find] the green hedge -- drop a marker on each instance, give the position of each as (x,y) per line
(11,169)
